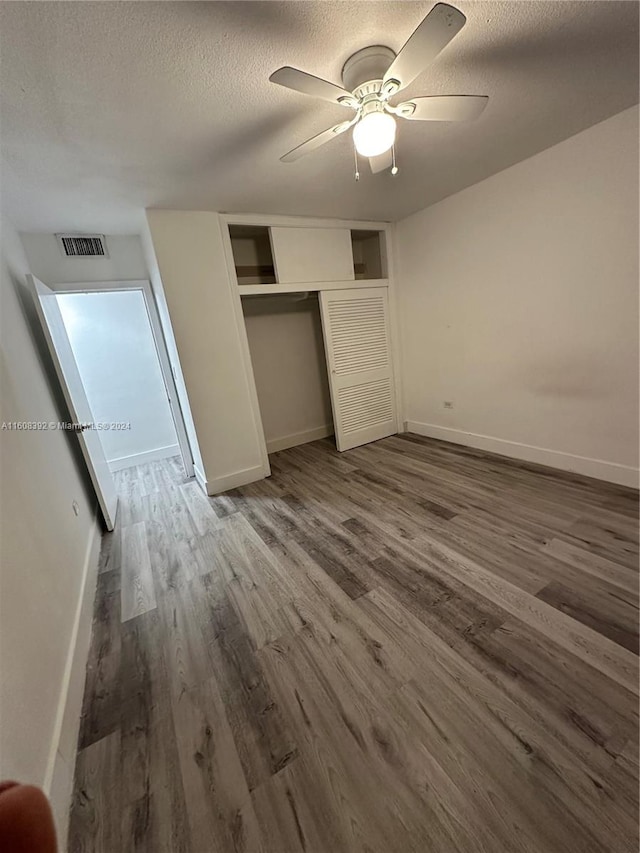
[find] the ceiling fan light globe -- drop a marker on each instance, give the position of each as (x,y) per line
(374,134)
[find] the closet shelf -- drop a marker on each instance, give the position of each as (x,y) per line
(265,273)
(296,287)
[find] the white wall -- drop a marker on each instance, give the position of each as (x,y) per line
(48,557)
(125,262)
(289,366)
(172,351)
(191,259)
(113,345)
(519,303)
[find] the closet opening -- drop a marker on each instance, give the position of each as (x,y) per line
(286,344)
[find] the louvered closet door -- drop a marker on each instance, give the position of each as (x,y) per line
(355,323)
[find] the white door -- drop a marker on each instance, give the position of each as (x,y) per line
(311,254)
(56,335)
(355,323)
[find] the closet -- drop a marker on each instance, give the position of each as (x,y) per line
(284,332)
(316,309)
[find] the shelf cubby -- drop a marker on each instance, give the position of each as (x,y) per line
(252,255)
(367,255)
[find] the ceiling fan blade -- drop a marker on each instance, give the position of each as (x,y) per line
(436,31)
(444,108)
(316,141)
(381,162)
(300,81)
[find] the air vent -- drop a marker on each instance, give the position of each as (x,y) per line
(83,245)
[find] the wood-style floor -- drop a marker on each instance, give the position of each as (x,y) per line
(410,646)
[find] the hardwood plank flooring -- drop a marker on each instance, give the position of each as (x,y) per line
(410,646)
(137,579)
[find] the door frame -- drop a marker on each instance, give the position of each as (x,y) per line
(79,410)
(144,286)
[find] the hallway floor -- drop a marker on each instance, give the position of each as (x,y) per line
(410,646)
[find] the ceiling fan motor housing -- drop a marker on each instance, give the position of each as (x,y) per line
(363,72)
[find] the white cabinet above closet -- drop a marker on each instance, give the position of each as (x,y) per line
(268,258)
(312,254)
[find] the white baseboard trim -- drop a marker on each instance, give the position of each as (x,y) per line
(200,479)
(235,480)
(612,472)
(141,458)
(275,444)
(58,781)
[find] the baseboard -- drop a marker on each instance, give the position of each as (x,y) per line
(200,479)
(296,438)
(235,480)
(612,472)
(62,758)
(141,458)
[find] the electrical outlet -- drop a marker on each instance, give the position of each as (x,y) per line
(76,508)
(448,404)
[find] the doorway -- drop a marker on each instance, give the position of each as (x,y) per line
(119,349)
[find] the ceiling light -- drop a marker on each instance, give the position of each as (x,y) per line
(374,134)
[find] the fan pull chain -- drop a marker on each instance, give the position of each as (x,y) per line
(355,157)
(394,168)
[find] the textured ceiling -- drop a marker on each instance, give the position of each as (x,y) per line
(111,107)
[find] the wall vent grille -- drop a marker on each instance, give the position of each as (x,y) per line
(83,245)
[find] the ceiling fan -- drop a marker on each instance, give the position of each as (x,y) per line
(372,77)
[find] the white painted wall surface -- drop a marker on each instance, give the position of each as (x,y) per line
(191,260)
(172,351)
(48,556)
(126,261)
(289,366)
(115,352)
(519,303)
